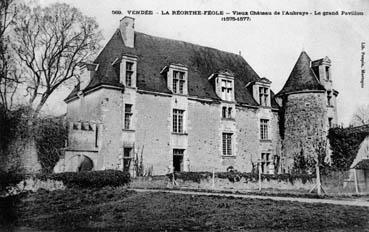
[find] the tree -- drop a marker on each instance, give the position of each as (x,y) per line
(9,75)
(50,43)
(361,116)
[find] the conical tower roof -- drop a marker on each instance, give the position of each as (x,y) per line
(302,77)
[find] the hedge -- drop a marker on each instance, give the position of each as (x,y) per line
(9,179)
(91,179)
(237,176)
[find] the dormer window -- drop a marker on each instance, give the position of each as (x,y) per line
(327,73)
(128,71)
(177,76)
(263,96)
(178,82)
(223,82)
(227,90)
(261,91)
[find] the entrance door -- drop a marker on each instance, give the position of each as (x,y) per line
(178,160)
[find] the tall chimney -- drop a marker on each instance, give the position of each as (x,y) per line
(127,29)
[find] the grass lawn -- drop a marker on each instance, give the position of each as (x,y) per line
(113,209)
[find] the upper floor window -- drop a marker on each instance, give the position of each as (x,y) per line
(227,90)
(178,82)
(127,116)
(178,120)
(329,98)
(330,122)
(263,96)
(227,143)
(226,112)
(264,129)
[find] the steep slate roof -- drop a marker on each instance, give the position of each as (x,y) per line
(154,53)
(302,77)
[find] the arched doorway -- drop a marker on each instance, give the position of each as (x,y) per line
(85,164)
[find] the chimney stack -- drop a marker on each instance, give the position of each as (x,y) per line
(127,29)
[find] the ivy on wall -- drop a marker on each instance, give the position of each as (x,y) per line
(49,134)
(345,143)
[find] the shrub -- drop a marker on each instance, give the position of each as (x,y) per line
(190,176)
(9,179)
(91,179)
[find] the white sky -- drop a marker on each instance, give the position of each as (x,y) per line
(270,44)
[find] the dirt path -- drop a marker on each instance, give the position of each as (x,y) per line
(354,202)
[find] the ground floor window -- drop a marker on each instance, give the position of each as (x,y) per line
(266,160)
(227,143)
(127,157)
(178,160)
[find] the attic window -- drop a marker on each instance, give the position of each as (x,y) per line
(227,90)
(177,77)
(327,73)
(129,72)
(178,82)
(263,96)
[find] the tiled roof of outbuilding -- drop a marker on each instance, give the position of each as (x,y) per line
(154,53)
(302,77)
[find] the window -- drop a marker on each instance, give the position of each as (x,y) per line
(97,136)
(178,121)
(329,98)
(263,96)
(330,122)
(265,162)
(264,129)
(327,73)
(127,116)
(226,112)
(227,91)
(178,82)
(127,157)
(229,112)
(178,160)
(129,73)
(227,143)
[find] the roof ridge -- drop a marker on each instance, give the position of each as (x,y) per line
(189,43)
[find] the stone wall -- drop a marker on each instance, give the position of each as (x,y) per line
(247,130)
(305,123)
(153,131)
(221,184)
(204,136)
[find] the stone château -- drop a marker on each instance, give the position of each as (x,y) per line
(185,107)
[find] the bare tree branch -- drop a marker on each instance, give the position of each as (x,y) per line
(50,42)
(361,116)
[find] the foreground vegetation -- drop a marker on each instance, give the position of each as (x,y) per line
(116,208)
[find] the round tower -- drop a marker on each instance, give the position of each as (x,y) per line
(306,112)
